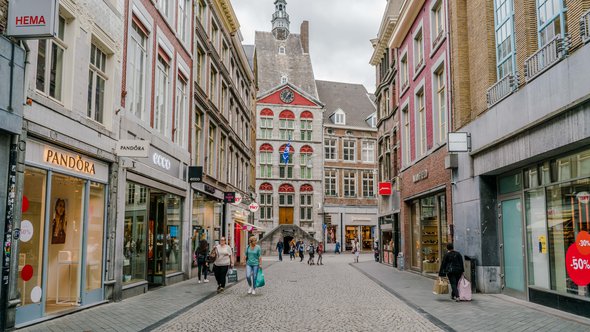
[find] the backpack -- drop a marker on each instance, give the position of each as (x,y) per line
(310,249)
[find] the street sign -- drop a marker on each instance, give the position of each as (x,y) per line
(384,188)
(254,207)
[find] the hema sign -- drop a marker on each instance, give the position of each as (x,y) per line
(32,18)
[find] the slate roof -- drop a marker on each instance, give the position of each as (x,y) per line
(353,99)
(294,63)
(249,50)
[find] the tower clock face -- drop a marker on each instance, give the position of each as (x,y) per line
(287,96)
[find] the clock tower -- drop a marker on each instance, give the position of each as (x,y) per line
(280,20)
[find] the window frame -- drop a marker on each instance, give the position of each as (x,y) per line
(331,182)
(58,43)
(97,72)
(349,183)
(333,148)
(161,121)
(368,182)
(349,151)
(138,49)
(505,65)
(368,150)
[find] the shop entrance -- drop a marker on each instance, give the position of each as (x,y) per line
(156,248)
(512,248)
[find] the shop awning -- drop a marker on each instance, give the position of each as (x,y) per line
(248,226)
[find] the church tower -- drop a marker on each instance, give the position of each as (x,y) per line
(280,20)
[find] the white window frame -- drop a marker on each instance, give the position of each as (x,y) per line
(349,183)
(137,76)
(421,129)
(407,135)
(198,127)
(180,112)
(306,207)
(368,184)
(306,127)
(404,75)
(211,151)
(266,206)
(437,23)
(418,42)
(286,129)
(162,107)
(266,127)
(331,149)
(97,72)
(59,43)
(504,37)
(368,151)
(305,159)
(331,182)
(348,151)
(183,23)
(265,161)
(543,7)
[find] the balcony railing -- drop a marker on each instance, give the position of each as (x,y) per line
(546,57)
(585,27)
(502,89)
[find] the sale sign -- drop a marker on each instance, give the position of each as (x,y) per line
(577,260)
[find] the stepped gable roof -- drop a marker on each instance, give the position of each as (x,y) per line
(351,98)
(295,64)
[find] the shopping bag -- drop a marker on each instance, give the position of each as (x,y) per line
(260,279)
(232,275)
(464,289)
(441,286)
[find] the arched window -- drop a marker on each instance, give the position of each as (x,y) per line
(286,169)
(286,188)
(306,162)
(265,187)
(306,203)
(282,50)
(265,202)
(286,195)
(266,124)
(265,160)
(286,124)
(284,78)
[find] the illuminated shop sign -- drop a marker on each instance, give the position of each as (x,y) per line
(71,162)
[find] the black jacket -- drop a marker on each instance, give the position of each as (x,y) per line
(452,263)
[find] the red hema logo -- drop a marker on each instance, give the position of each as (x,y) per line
(30,20)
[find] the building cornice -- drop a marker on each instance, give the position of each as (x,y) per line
(228,15)
(386,28)
(408,13)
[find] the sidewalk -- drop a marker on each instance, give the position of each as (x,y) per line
(139,313)
(486,312)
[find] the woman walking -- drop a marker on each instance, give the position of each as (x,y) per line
(201,254)
(356,250)
(253,262)
(223,260)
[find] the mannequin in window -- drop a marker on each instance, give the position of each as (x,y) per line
(59,223)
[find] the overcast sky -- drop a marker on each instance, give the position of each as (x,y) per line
(340,33)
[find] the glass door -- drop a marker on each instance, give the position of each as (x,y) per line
(156,240)
(94,243)
(512,247)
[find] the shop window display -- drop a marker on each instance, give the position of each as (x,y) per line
(387,239)
(95,235)
(134,265)
(173,233)
(429,232)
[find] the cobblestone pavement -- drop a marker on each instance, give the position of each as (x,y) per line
(332,297)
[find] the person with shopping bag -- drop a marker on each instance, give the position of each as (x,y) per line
(452,267)
(253,263)
(222,255)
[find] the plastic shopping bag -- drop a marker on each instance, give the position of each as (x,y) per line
(464,289)
(441,286)
(260,279)
(232,275)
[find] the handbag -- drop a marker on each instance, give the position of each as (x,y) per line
(232,275)
(464,289)
(212,256)
(260,279)
(441,286)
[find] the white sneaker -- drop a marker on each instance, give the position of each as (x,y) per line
(249,290)
(253,292)
(206,280)
(198,282)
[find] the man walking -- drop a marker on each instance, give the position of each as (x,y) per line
(301,248)
(280,247)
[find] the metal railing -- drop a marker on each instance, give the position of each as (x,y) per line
(585,27)
(550,54)
(502,89)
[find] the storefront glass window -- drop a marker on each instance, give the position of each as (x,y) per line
(429,236)
(416,248)
(64,255)
(134,243)
(173,233)
(30,257)
(198,231)
(510,183)
(444,227)
(95,235)
(536,229)
(352,232)
(566,217)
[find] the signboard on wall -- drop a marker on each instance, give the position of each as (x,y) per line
(229,197)
(459,142)
(385,188)
(132,148)
(195,174)
(32,19)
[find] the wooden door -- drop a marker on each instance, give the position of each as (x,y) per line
(286,215)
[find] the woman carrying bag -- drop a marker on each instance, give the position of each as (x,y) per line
(253,263)
(223,261)
(452,267)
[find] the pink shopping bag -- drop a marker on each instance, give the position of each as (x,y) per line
(464,289)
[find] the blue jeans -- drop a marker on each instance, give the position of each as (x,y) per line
(251,274)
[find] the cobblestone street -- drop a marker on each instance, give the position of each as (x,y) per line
(332,297)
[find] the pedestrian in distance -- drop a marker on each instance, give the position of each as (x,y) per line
(202,265)
(253,263)
(300,249)
(376,251)
(452,268)
(337,248)
(311,252)
(320,252)
(280,250)
(292,250)
(223,261)
(355,250)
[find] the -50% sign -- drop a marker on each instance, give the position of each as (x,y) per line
(577,260)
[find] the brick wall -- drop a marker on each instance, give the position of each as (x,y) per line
(525,27)
(3,15)
(575,10)
(459,52)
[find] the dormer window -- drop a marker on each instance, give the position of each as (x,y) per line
(339,117)
(372,120)
(284,79)
(281,49)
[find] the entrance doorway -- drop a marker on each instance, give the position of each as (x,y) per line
(286,241)
(286,215)
(155,252)
(512,248)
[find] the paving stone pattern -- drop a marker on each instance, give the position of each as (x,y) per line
(299,297)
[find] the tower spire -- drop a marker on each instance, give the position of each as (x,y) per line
(280,20)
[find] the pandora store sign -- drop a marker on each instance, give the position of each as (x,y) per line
(32,18)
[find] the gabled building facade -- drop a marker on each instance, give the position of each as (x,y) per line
(289,117)
(350,165)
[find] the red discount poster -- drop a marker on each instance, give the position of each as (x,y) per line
(577,260)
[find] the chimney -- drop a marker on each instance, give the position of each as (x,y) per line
(305,36)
